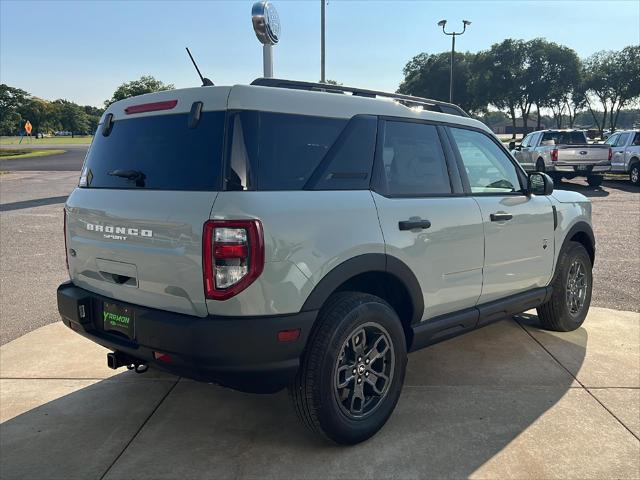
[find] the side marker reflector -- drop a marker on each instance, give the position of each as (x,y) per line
(288,335)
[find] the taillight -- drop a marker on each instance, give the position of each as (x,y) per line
(64,228)
(232,256)
(554,155)
(610,153)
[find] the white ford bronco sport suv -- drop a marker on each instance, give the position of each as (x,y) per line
(290,234)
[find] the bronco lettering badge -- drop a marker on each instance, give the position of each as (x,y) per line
(119,232)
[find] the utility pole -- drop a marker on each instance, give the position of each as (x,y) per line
(442,24)
(322,28)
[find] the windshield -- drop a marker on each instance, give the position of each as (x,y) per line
(157,152)
(565,138)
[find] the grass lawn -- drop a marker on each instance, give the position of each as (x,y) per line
(84,140)
(26,153)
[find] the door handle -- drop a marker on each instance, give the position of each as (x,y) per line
(411,224)
(500,217)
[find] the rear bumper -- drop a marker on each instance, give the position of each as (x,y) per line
(574,169)
(239,352)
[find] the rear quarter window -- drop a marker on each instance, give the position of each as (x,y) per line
(167,154)
(276,151)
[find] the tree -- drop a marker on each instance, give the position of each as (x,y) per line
(41,113)
(145,84)
(499,77)
(427,75)
(626,81)
(612,81)
(11,101)
(72,117)
(558,84)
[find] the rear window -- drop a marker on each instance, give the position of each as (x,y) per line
(157,152)
(565,138)
(276,151)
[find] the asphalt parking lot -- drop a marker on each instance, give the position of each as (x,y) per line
(508,400)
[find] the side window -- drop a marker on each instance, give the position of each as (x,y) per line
(413,162)
(276,151)
(636,139)
(488,168)
(622,140)
(612,140)
(534,139)
(347,165)
(525,141)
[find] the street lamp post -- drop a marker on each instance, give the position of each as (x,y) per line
(442,24)
(322,31)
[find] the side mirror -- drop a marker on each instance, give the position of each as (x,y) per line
(512,145)
(540,184)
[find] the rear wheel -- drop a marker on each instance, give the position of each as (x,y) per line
(594,180)
(571,297)
(634,173)
(352,373)
(540,166)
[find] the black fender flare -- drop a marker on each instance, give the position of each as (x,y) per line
(368,262)
(581,227)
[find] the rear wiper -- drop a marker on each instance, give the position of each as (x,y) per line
(134,175)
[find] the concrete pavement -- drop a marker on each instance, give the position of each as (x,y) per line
(508,401)
(31,248)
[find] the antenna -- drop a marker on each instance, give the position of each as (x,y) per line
(205,81)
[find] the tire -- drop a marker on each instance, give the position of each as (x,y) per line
(559,313)
(333,351)
(634,173)
(595,180)
(540,165)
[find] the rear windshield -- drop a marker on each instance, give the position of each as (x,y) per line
(565,138)
(157,152)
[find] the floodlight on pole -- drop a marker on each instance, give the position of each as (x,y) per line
(266,24)
(453,35)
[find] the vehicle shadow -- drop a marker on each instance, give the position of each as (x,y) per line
(583,188)
(38,202)
(464,401)
(624,185)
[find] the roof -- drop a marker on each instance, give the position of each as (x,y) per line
(289,100)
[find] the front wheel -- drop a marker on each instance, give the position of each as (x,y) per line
(594,180)
(571,297)
(634,174)
(353,370)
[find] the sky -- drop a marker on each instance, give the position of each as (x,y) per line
(82,50)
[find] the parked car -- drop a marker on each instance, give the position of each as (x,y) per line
(563,153)
(63,133)
(271,235)
(625,146)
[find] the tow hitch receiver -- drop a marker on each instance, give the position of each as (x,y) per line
(116,360)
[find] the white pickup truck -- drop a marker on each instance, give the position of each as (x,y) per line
(563,153)
(625,146)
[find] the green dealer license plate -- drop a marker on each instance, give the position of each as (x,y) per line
(118,319)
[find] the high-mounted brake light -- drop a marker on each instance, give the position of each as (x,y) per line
(232,256)
(151,107)
(554,155)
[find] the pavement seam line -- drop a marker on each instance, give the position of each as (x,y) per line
(90,378)
(133,437)
(579,382)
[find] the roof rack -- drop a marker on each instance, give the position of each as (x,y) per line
(408,100)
